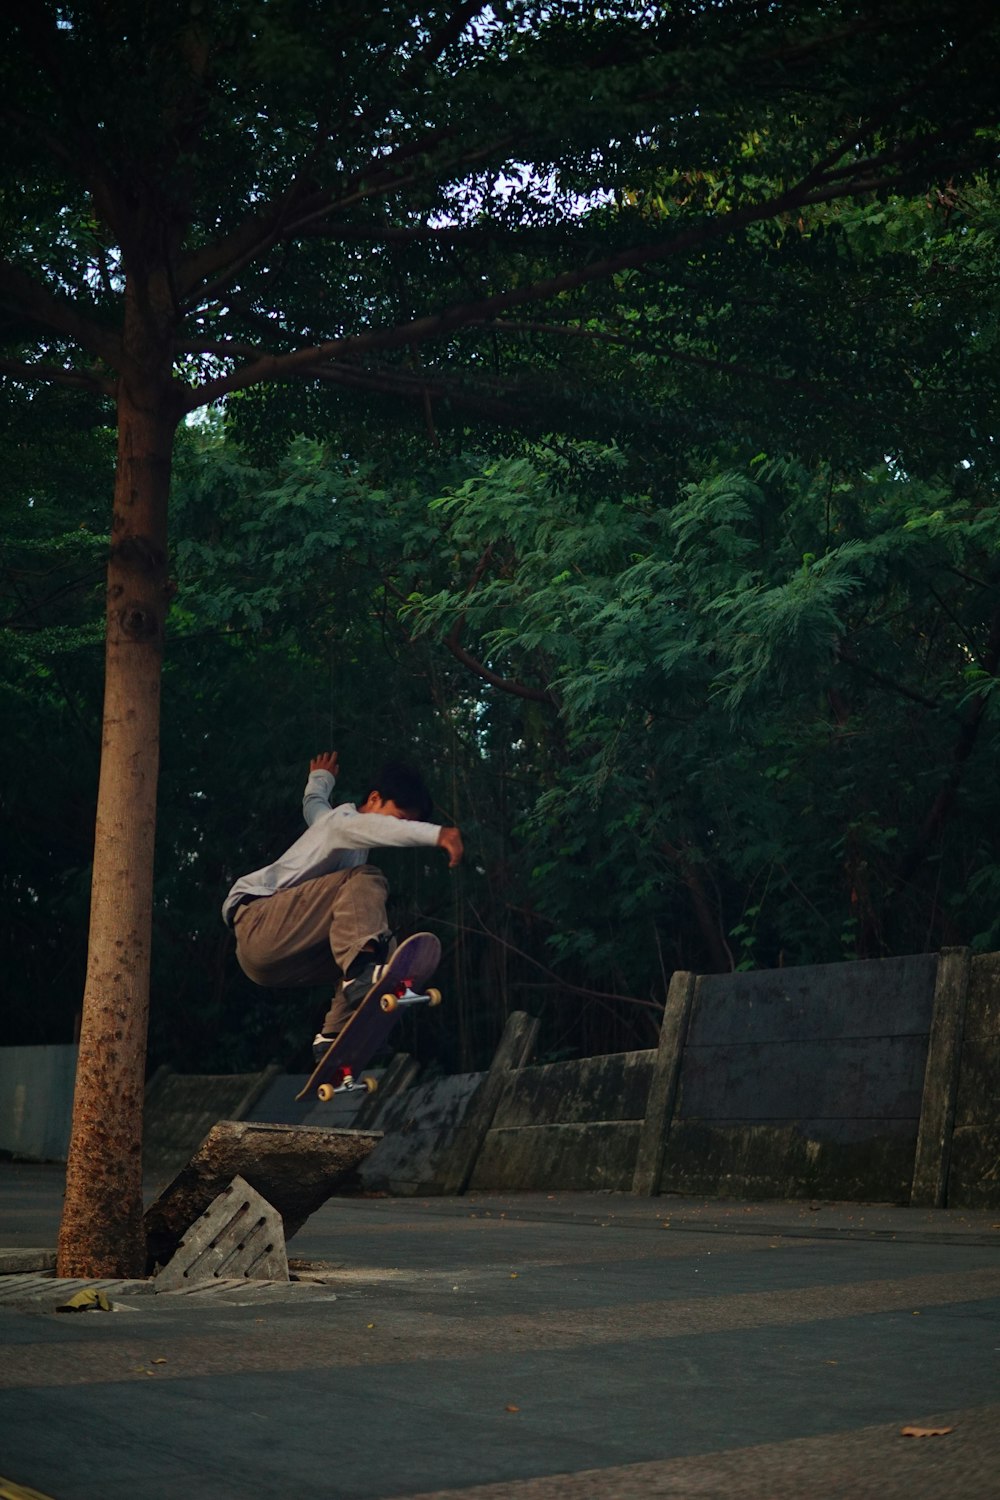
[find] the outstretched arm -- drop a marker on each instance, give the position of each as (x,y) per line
(327,760)
(450,840)
(365,828)
(316,797)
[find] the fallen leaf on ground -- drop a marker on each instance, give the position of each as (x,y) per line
(925,1431)
(84,1300)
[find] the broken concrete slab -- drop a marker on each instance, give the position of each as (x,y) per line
(295,1168)
(239,1234)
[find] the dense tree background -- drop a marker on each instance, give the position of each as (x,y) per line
(725,703)
(680,583)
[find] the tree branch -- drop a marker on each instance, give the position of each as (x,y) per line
(53,375)
(843,653)
(683,356)
(411,387)
(451,31)
(273,223)
(26,297)
(505,684)
(463,315)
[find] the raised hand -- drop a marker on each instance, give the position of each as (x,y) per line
(326,761)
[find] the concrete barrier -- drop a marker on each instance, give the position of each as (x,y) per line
(803,1082)
(875,1081)
(973,1175)
(575,1125)
(871,1081)
(419,1129)
(36,1101)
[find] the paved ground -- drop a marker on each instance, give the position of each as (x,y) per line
(562,1346)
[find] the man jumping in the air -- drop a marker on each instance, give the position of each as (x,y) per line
(317,914)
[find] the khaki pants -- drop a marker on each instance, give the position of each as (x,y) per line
(312,933)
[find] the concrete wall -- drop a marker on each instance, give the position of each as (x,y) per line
(803,1082)
(974,1166)
(572,1125)
(420,1128)
(871,1081)
(36,1101)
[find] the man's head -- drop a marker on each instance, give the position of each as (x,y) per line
(399,792)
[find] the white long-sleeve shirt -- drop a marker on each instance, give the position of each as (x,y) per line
(336,838)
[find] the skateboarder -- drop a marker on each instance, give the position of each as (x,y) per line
(317,915)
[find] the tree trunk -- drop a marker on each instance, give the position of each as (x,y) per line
(102,1232)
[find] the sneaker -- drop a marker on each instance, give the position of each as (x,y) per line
(364,972)
(321,1043)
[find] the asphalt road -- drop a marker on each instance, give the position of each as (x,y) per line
(572,1345)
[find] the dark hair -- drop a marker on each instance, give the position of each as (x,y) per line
(404,786)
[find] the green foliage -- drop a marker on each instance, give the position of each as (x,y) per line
(716,727)
(617,220)
(763,691)
(626,458)
(55,465)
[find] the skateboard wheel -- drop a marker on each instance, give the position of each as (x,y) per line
(389,1003)
(325,1092)
(370,1082)
(434,997)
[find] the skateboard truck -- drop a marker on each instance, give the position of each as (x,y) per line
(347,1084)
(404,994)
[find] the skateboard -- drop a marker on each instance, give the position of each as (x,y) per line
(402,983)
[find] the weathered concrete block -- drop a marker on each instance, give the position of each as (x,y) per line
(21,1261)
(572,1125)
(36,1100)
(983,1013)
(845,1159)
(420,1129)
(932,1157)
(973,1179)
(296,1168)
(803,1082)
(974,1175)
(571,1158)
(578,1092)
(853,1078)
(239,1234)
(513,1051)
(661,1099)
(877,997)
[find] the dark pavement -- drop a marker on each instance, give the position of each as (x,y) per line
(567,1345)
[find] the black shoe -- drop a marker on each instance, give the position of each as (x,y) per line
(364,972)
(321,1045)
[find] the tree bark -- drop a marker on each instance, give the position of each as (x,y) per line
(102,1232)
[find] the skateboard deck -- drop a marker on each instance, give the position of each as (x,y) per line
(402,983)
